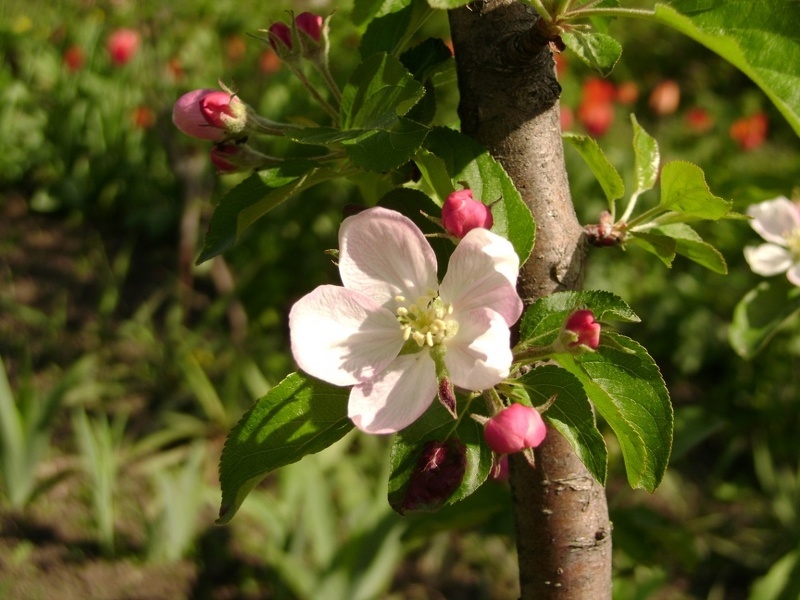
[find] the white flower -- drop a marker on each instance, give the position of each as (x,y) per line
(778,222)
(377,332)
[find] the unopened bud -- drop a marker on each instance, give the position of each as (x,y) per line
(310,24)
(581,330)
(224,111)
(122,45)
(439,471)
(461,214)
(514,429)
(280,32)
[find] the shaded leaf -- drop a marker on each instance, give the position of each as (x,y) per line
(688,243)
(760,315)
(662,246)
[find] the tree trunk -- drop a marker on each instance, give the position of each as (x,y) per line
(509,102)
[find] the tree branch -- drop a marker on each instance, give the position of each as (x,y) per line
(509,102)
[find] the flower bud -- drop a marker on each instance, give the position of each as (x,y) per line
(280,32)
(209,115)
(122,45)
(224,111)
(461,214)
(310,24)
(221,155)
(582,329)
(439,471)
(514,429)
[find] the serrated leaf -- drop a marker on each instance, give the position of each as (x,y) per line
(468,161)
(254,197)
(383,149)
(437,424)
(571,414)
(299,416)
(684,190)
(688,243)
(662,246)
(366,10)
(607,176)
(647,158)
(761,314)
(598,50)
(386,32)
(760,38)
(626,387)
(542,321)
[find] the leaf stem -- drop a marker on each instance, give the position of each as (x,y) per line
(584,13)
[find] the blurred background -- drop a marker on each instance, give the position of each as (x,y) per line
(124,365)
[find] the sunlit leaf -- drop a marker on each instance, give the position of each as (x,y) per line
(607,176)
(688,243)
(299,416)
(647,158)
(571,414)
(598,50)
(684,190)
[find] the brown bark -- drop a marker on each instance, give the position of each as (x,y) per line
(509,102)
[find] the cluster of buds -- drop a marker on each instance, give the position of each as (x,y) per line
(221,116)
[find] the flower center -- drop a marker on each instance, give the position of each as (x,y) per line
(793,242)
(427,321)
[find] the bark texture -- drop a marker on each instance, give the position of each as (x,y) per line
(509,102)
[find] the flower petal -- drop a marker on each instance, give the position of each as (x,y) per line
(383,254)
(774,219)
(794,274)
(396,397)
(768,259)
(478,356)
(341,336)
(483,273)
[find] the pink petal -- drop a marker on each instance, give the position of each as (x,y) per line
(396,397)
(341,336)
(794,274)
(483,273)
(774,219)
(478,356)
(382,254)
(768,259)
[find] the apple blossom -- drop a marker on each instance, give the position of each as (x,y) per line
(514,429)
(778,222)
(393,332)
(461,214)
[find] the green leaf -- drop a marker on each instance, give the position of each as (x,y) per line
(571,414)
(434,174)
(603,170)
(254,197)
(684,190)
(378,92)
(366,10)
(299,416)
(760,315)
(447,4)
(468,161)
(437,424)
(391,31)
(626,387)
(426,59)
(384,149)
(543,320)
(760,38)
(688,243)
(598,50)
(662,246)
(646,156)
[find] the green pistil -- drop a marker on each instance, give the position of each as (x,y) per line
(426,322)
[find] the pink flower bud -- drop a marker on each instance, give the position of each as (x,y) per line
(224,111)
(209,115)
(282,32)
(310,24)
(220,157)
(122,44)
(581,323)
(461,214)
(514,429)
